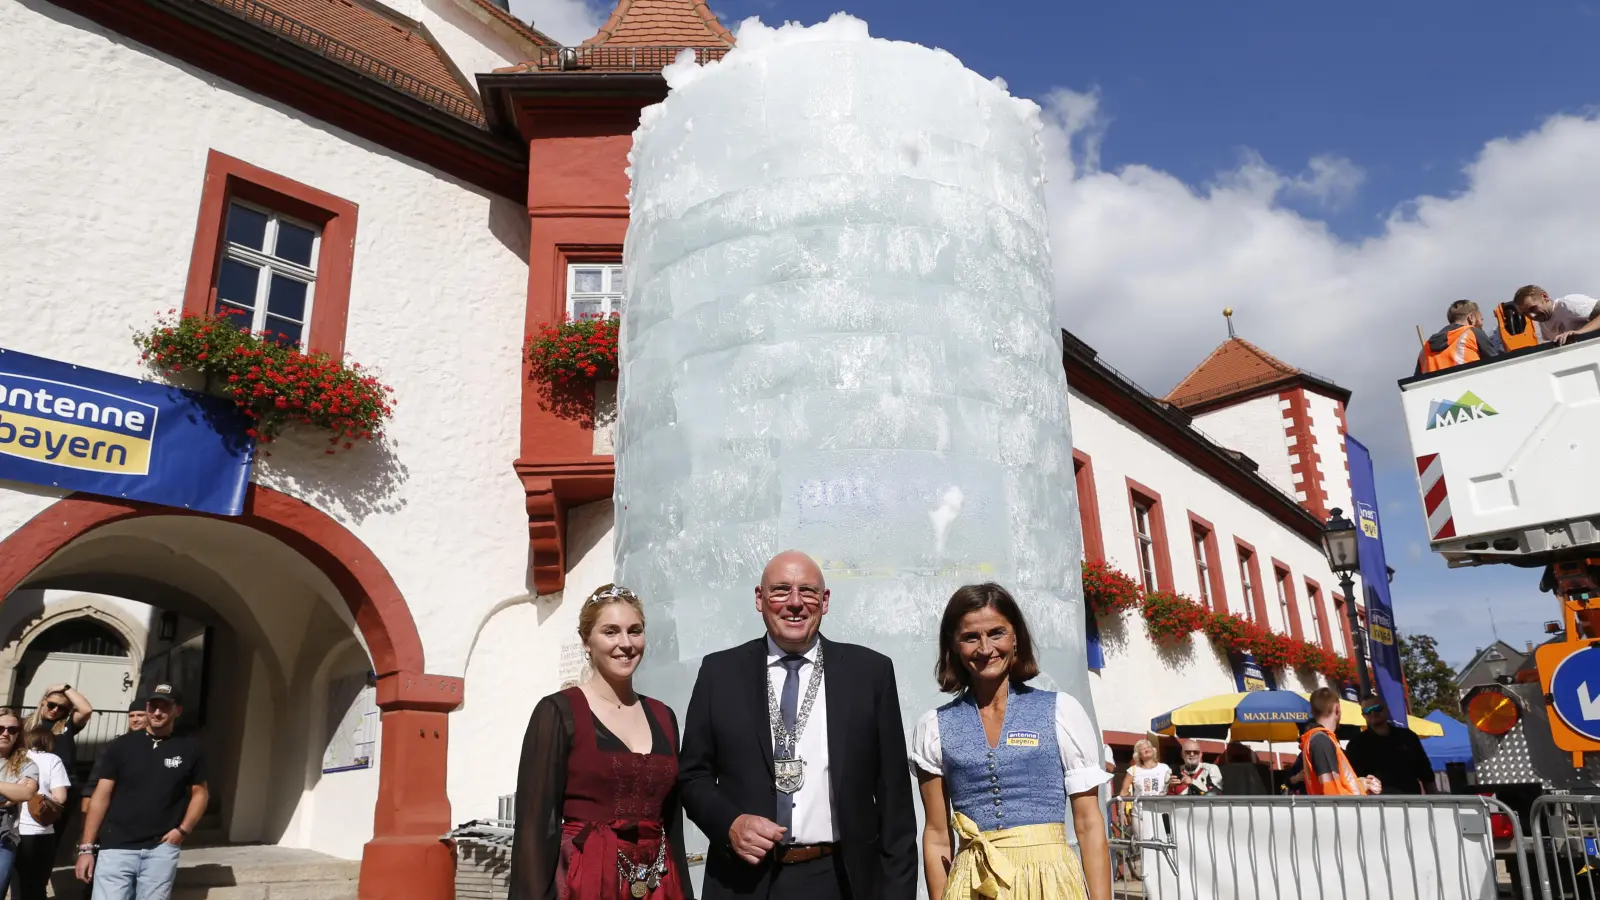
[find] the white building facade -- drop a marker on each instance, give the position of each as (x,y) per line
(376,627)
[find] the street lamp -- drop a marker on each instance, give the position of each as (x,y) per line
(1340,545)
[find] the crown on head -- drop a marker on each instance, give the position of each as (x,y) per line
(607,592)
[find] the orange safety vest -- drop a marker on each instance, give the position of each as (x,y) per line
(1462,348)
(1347,784)
(1516,332)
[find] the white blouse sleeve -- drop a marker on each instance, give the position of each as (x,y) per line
(1076,737)
(926,752)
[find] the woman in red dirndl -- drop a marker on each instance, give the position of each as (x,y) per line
(596,820)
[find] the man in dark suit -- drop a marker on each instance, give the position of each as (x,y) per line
(794,759)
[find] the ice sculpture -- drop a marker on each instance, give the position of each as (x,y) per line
(840,338)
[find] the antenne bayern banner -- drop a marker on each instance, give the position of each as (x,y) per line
(79,429)
(1387,671)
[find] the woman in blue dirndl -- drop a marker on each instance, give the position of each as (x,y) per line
(1006,767)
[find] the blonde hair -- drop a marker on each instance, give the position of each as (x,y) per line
(604,596)
(36,718)
(12,765)
(1139,747)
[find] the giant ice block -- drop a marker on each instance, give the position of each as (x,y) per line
(840,337)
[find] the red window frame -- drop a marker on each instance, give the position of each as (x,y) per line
(1137,494)
(1094,545)
(1282,575)
(1320,612)
(1255,607)
(1215,584)
(1339,601)
(230,179)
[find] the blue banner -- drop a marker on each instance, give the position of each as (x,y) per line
(1388,675)
(1249,676)
(79,429)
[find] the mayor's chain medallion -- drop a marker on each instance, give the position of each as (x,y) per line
(788,769)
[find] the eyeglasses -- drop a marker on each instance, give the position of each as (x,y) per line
(810,594)
(10,729)
(51,704)
(1191,753)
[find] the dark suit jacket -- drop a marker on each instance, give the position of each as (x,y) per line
(725,769)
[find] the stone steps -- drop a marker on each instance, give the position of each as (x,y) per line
(246,872)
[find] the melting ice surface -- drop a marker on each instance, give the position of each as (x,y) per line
(840,338)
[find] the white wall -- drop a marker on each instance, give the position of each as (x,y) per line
(1139,682)
(474,41)
(1254,428)
(1330,446)
(101,207)
(525,650)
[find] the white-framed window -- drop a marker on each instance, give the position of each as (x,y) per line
(1202,565)
(1248,584)
(268,275)
(1282,578)
(1314,597)
(1147,544)
(593,289)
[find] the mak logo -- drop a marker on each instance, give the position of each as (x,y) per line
(1467,409)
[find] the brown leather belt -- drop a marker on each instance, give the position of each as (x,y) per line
(788,854)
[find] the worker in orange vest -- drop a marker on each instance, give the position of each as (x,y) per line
(1462,341)
(1516,330)
(1327,769)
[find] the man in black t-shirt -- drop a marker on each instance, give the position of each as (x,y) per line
(1392,753)
(151,795)
(136,716)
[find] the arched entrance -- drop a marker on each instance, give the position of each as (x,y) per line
(116,546)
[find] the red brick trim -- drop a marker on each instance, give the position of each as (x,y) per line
(1158,532)
(551,487)
(1216,583)
(228,178)
(1297,424)
(1094,542)
(1339,610)
(1338,411)
(1320,611)
(1282,568)
(1256,610)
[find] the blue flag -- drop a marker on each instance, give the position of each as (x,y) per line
(1388,675)
(79,429)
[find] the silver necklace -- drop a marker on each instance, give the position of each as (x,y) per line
(641,880)
(788,769)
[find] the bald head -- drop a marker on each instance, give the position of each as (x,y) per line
(792,564)
(792,598)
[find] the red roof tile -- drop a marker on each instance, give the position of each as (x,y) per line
(662,23)
(381,45)
(1236,366)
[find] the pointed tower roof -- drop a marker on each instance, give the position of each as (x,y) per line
(1236,368)
(661,23)
(642,36)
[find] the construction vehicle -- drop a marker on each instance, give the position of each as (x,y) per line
(1508,467)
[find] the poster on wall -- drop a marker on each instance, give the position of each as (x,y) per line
(80,429)
(1249,676)
(352,723)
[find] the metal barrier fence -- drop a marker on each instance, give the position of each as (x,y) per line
(1566,846)
(1311,848)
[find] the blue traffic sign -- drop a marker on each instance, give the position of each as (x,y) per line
(1575,692)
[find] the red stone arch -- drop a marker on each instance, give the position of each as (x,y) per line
(405,858)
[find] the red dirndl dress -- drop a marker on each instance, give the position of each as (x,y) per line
(613,804)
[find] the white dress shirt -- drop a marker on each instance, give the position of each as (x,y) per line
(813,803)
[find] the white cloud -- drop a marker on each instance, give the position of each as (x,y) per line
(1145,263)
(569,21)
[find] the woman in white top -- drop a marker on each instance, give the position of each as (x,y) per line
(1148,776)
(37,851)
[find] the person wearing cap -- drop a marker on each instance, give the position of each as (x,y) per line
(150,796)
(1390,752)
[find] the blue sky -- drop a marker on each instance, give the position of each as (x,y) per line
(1336,174)
(1410,91)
